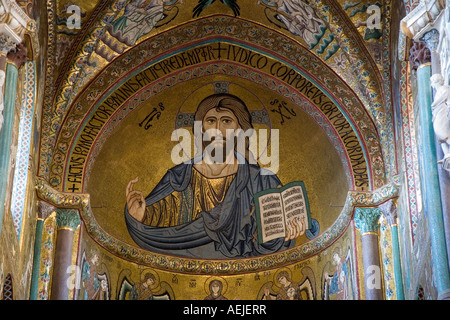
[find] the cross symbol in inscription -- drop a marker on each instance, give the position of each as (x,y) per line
(73,188)
(283,107)
(219,49)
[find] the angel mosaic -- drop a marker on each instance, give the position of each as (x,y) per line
(285,288)
(138,18)
(149,287)
(297,17)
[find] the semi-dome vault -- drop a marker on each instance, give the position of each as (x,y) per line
(335,40)
(300,56)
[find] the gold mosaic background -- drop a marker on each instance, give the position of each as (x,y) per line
(306,154)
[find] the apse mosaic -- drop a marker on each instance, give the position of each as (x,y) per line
(133,130)
(216,149)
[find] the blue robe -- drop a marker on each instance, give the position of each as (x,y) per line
(226,231)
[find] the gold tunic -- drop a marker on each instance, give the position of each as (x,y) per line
(203,194)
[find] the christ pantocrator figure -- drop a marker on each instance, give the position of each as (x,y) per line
(204,208)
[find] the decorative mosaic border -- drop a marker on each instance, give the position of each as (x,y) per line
(201,266)
(7,289)
(46,137)
(47,254)
(388,129)
(387,260)
(409,144)
(378,83)
(23,150)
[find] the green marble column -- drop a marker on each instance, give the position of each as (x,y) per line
(36,260)
(366,221)
(44,210)
(431,38)
(67,221)
(6,132)
(421,58)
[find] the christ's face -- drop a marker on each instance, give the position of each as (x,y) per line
(218,127)
(221,120)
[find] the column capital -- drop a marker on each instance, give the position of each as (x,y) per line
(389,211)
(7,44)
(14,23)
(44,210)
(19,55)
(419,55)
(67,219)
(366,219)
(431,38)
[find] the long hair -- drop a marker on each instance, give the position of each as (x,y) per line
(225,101)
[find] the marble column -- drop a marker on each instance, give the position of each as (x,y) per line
(15,59)
(67,221)
(44,210)
(389,211)
(420,58)
(366,221)
(431,38)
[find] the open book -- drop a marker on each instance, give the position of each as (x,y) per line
(276,208)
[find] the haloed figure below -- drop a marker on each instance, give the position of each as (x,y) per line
(203,208)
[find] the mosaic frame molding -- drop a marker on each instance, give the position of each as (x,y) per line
(409,144)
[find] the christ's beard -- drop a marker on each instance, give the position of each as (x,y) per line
(211,148)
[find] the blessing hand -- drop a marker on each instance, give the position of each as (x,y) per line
(135,201)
